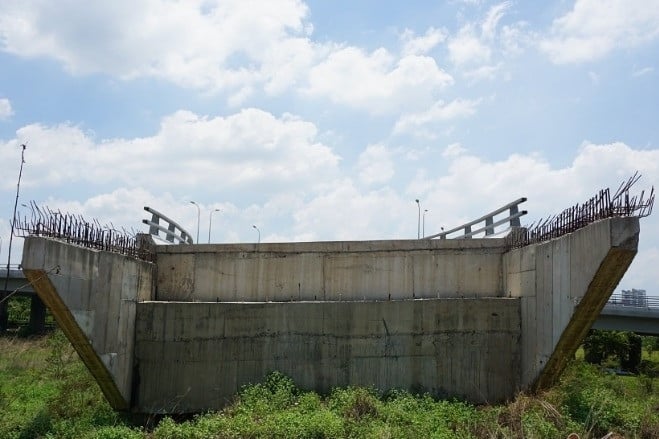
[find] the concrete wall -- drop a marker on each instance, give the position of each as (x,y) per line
(363,270)
(195,356)
(93,296)
(563,285)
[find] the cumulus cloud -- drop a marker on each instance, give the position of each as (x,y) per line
(454,150)
(414,45)
(235,47)
(474,43)
(479,49)
(5,109)
(438,112)
(375,165)
(467,48)
(594,28)
(344,212)
(210,45)
(242,149)
(376,81)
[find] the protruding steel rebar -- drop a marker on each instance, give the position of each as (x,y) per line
(75,229)
(601,206)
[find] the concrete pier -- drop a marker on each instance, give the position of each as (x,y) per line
(466,318)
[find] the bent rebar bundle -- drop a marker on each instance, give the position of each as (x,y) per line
(75,229)
(601,206)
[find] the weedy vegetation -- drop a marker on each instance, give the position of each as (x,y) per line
(46,392)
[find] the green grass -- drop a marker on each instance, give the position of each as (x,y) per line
(46,392)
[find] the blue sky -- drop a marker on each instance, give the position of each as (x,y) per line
(326,120)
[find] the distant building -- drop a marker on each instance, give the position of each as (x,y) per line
(634,297)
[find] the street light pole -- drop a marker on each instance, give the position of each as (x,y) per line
(424,222)
(198,216)
(210,224)
(418,221)
(257,229)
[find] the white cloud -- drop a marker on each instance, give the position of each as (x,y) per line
(471,47)
(438,112)
(467,48)
(5,109)
(594,28)
(376,81)
(343,212)
(516,37)
(453,150)
(414,45)
(483,72)
(375,165)
(210,45)
(642,72)
(494,15)
(242,149)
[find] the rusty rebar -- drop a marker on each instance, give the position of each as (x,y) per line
(601,206)
(74,229)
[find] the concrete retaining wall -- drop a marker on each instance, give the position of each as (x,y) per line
(458,318)
(362,270)
(195,356)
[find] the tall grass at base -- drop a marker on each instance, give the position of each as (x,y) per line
(46,392)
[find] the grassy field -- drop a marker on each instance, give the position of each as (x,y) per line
(46,392)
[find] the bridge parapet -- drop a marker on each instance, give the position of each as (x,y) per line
(174,233)
(489,221)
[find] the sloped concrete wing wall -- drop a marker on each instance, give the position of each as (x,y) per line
(563,285)
(93,296)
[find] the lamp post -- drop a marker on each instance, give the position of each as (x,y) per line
(418,221)
(257,229)
(210,224)
(424,222)
(198,216)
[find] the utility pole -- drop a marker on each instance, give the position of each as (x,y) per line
(4,315)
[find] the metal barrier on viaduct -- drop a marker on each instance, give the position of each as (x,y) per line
(180,328)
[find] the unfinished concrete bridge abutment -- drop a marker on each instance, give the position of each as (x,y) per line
(470,318)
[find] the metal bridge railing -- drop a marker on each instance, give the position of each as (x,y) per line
(489,222)
(618,299)
(173,232)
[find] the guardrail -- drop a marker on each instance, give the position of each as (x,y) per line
(173,231)
(619,299)
(489,222)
